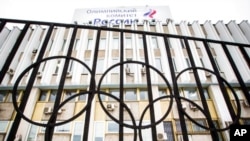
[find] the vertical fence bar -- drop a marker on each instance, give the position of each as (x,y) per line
(214,134)
(121,117)
(91,87)
(150,94)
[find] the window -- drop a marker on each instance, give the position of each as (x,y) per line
(82,97)
(43,95)
(76,44)
(174,65)
(87,62)
(89,44)
(3,126)
(162,92)
(197,128)
(32,133)
(206,94)
(168,129)
(182,43)
(99,131)
(100,66)
(192,127)
(70,67)
(9,99)
(140,42)
(154,42)
(63,128)
(191,93)
(217,64)
(3,95)
(246,121)
(117,68)
(113,127)
(52,97)
(78,130)
(102,44)
(63,45)
(115,43)
(114,92)
(158,64)
(69,93)
(143,95)
(188,62)
(130,95)
(128,42)
(57,67)
(202,63)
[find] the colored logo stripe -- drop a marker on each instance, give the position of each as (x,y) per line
(150,13)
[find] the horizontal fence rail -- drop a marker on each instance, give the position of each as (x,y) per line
(95,87)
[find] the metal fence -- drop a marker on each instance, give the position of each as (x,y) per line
(95,87)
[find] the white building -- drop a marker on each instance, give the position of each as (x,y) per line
(151,47)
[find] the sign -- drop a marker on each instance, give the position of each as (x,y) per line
(239,132)
(116,15)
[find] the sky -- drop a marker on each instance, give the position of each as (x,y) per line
(182,10)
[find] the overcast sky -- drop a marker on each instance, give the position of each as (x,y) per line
(189,10)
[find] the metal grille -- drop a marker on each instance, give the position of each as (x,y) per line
(95,87)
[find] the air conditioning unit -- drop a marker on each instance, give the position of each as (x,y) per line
(47,110)
(184,106)
(192,107)
(60,111)
(34,51)
(110,107)
(161,137)
(208,74)
(11,71)
(39,74)
(246,104)
(69,74)
(127,69)
(143,70)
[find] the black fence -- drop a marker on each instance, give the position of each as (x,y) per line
(95,87)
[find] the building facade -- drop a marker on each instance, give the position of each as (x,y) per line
(119,78)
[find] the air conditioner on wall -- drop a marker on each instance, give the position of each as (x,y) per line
(69,74)
(10,71)
(143,70)
(110,107)
(34,51)
(39,74)
(161,137)
(184,106)
(127,69)
(47,110)
(192,107)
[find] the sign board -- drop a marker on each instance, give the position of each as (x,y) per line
(116,15)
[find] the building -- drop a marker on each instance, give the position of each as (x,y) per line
(131,73)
